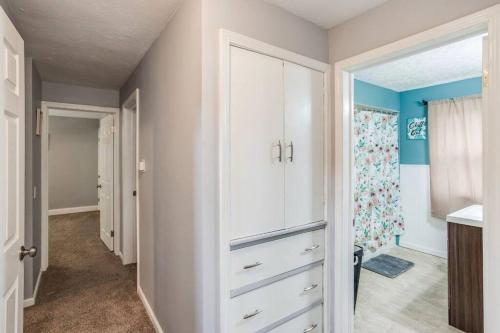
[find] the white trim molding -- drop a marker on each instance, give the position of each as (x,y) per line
(32,300)
(81,109)
(72,210)
(487,20)
(149,310)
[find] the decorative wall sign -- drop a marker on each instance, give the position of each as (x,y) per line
(416,128)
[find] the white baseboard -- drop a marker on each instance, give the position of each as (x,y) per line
(72,210)
(31,301)
(120,255)
(423,249)
(149,310)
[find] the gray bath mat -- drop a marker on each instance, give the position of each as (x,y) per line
(388,266)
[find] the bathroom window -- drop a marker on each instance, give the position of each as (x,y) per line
(455,151)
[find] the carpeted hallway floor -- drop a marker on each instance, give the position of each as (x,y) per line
(86,288)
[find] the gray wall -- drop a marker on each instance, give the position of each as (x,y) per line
(73,148)
(395,20)
(169,77)
(67,93)
(32,229)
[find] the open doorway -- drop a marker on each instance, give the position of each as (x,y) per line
(417,129)
(81,144)
(483,239)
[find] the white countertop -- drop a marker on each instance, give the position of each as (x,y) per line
(472,215)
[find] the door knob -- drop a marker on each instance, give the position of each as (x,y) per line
(27,252)
(99,186)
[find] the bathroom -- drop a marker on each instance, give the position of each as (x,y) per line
(417,171)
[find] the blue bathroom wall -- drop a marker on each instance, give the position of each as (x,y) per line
(417,151)
(409,106)
(369,94)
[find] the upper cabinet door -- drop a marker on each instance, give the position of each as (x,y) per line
(304,140)
(256,148)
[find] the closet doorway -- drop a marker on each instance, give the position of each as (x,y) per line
(346,111)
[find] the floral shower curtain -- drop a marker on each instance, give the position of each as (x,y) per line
(377,203)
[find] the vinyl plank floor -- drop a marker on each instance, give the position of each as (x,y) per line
(414,302)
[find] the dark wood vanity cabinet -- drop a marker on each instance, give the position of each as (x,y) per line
(465,277)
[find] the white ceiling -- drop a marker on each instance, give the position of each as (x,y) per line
(456,61)
(327,13)
(89,42)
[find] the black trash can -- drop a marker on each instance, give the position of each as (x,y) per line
(358,259)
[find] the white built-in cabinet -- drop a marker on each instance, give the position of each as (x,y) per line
(273,226)
(276,144)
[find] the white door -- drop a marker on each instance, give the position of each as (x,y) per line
(256,149)
(11,177)
(304,138)
(129,190)
(105,180)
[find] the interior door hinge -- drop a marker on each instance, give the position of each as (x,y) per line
(486,79)
(112,233)
(134,193)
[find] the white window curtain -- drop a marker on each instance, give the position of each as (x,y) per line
(456,152)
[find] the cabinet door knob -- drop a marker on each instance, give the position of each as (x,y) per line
(252,265)
(253,314)
(291,151)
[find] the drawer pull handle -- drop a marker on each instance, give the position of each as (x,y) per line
(250,315)
(312,248)
(311,328)
(313,286)
(252,265)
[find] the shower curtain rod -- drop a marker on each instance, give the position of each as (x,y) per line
(366,107)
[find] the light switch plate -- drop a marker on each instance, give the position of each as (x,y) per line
(142,166)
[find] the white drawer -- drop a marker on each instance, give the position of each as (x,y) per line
(259,308)
(311,321)
(259,262)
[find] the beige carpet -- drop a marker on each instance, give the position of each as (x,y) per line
(86,288)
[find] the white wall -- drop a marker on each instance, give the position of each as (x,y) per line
(423,232)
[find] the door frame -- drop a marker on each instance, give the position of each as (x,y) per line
(131,104)
(227,39)
(63,108)
(343,91)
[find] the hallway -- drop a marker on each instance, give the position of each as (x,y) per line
(86,288)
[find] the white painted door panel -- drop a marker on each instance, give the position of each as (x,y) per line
(106,185)
(256,121)
(304,137)
(12,170)
(275,301)
(129,174)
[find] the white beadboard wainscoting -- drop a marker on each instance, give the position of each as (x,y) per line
(423,232)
